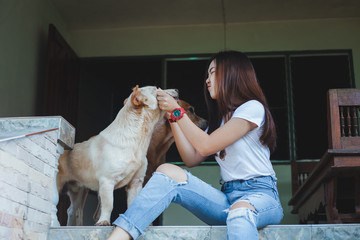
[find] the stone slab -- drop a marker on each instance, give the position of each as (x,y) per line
(278,232)
(17,127)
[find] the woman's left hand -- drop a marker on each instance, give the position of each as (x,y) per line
(166,102)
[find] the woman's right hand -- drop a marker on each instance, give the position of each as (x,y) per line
(166,102)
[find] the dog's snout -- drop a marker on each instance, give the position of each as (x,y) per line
(174,93)
(177,94)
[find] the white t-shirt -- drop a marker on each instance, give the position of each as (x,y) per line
(247,157)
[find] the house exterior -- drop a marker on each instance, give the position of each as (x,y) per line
(23,60)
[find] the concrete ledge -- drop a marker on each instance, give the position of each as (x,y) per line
(274,232)
(17,127)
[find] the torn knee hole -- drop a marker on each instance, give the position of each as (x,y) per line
(179,179)
(174,172)
(174,178)
(242,204)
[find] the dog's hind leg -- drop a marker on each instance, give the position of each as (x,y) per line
(106,189)
(61,176)
(75,211)
(61,180)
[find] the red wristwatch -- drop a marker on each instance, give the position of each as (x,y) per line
(177,114)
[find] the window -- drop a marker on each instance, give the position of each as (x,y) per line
(311,77)
(295,84)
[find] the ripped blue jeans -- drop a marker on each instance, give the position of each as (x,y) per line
(207,203)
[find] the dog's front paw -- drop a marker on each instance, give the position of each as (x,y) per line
(102,223)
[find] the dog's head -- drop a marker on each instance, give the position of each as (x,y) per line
(190,111)
(146,96)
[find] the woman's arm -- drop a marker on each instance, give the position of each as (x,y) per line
(222,137)
(193,143)
(187,152)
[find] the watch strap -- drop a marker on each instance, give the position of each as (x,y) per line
(177,114)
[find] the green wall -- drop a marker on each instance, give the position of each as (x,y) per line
(24,28)
(23,43)
(325,34)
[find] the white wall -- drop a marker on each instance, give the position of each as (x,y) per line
(27,175)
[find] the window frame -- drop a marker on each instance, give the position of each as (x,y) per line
(287,55)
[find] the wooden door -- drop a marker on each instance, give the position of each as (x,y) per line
(62,78)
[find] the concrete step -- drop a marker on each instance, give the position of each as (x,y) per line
(274,232)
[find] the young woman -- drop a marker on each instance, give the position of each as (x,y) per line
(241,134)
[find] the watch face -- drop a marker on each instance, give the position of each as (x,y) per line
(176,113)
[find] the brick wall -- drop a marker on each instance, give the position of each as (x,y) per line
(27,172)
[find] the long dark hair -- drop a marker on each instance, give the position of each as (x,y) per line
(235,84)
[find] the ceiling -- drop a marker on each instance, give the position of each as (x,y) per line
(107,14)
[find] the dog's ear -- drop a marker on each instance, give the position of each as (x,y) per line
(136,88)
(137,99)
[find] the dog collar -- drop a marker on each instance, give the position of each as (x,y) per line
(176,114)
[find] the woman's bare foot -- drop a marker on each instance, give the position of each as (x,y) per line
(119,234)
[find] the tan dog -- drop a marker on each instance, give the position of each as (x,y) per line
(160,143)
(117,156)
